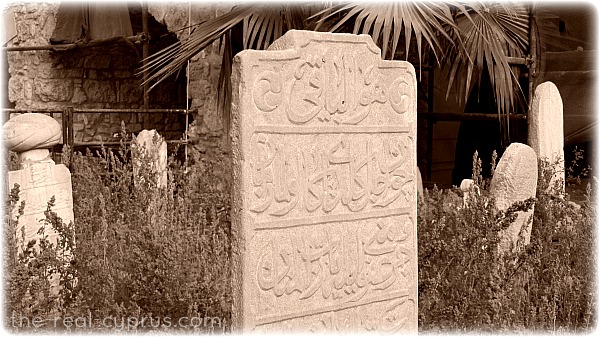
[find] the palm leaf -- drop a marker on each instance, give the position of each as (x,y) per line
(386,21)
(262,24)
(491,33)
(473,37)
(258,24)
(164,63)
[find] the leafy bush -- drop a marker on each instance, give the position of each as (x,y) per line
(466,285)
(149,253)
(34,267)
(142,253)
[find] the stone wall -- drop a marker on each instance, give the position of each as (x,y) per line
(99,77)
(206,132)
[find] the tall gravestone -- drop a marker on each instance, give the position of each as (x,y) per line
(39,178)
(324,202)
(515,179)
(545,129)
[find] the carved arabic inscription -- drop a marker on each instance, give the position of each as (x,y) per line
(330,87)
(359,173)
(324,152)
(332,266)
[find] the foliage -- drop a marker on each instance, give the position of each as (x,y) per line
(426,19)
(489,32)
(465,285)
(40,273)
(468,38)
(148,253)
(145,257)
(576,171)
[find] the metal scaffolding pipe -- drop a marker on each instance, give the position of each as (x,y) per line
(532,54)
(92,111)
(77,45)
(517,60)
(117,143)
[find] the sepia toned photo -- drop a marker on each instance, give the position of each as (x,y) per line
(393,167)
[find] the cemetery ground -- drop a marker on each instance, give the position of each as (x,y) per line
(146,258)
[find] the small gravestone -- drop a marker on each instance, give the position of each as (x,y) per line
(515,179)
(39,179)
(150,149)
(324,200)
(545,134)
(470,190)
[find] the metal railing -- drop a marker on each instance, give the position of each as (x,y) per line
(68,131)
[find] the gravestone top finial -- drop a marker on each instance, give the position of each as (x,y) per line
(31,131)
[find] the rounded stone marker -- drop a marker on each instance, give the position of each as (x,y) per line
(515,179)
(31,131)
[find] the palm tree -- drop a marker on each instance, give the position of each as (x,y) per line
(466,38)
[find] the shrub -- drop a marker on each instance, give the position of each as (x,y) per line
(34,267)
(465,285)
(142,253)
(155,255)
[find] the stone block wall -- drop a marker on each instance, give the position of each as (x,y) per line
(99,77)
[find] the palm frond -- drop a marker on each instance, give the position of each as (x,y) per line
(169,60)
(491,32)
(386,21)
(473,37)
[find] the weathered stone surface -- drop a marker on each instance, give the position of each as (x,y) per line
(38,182)
(470,190)
(35,155)
(545,134)
(515,179)
(31,131)
(78,95)
(130,92)
(176,14)
(99,91)
(97,61)
(324,202)
(53,90)
(15,88)
(46,71)
(99,77)
(150,147)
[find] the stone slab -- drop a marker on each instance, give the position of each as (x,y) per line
(38,182)
(546,129)
(152,147)
(470,190)
(515,179)
(324,201)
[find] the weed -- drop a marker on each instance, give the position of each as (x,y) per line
(546,286)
